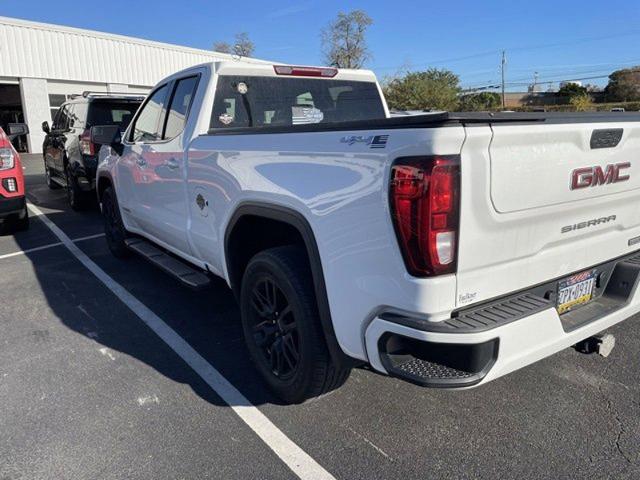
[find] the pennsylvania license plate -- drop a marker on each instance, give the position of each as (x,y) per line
(575,290)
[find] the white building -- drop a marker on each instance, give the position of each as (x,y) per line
(41,65)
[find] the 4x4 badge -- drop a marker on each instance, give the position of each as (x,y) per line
(374,141)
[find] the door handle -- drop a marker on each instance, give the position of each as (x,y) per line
(141,162)
(172,163)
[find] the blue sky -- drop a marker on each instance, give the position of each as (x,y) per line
(558,39)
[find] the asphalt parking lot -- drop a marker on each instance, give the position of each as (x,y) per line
(88,390)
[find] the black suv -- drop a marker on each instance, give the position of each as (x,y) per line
(70,158)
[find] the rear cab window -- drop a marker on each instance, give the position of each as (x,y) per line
(109,112)
(258,101)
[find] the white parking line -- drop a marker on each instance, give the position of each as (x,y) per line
(289,452)
(29,250)
(49,245)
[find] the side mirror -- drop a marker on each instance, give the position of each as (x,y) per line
(17,129)
(45,127)
(107,135)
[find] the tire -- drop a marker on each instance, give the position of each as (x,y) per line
(22,224)
(77,198)
(114,230)
(17,223)
(47,175)
(282,329)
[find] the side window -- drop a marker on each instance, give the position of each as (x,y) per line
(80,114)
(179,108)
(62,118)
(147,125)
(55,101)
(56,119)
(71,116)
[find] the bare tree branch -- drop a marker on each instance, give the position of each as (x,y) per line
(343,40)
(243,46)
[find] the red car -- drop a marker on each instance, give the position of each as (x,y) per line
(13,205)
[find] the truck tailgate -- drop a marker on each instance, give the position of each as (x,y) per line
(542,200)
(532,166)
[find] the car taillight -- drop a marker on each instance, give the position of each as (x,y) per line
(86,146)
(425,202)
(7,157)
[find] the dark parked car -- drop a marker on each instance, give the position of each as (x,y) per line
(70,158)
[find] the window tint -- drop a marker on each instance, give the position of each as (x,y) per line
(292,101)
(103,112)
(70,116)
(147,126)
(62,118)
(179,109)
(80,114)
(56,119)
(55,101)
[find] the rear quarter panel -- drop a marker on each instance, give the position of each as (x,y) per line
(342,191)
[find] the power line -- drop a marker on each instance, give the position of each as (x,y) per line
(547,80)
(516,49)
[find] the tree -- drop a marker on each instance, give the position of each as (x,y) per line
(482,101)
(242,47)
(432,89)
(570,90)
(624,85)
(344,41)
(222,47)
(581,102)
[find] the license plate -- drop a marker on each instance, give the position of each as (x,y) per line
(575,290)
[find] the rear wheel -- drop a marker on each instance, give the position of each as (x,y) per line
(114,230)
(282,328)
(76,197)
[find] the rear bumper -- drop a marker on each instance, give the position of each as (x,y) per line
(478,346)
(11,206)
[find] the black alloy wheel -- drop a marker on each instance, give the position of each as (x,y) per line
(282,327)
(114,230)
(274,328)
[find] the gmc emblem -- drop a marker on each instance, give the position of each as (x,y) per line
(595,176)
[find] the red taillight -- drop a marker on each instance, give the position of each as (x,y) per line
(425,198)
(86,146)
(327,72)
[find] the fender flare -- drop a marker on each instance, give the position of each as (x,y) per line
(299,222)
(100,174)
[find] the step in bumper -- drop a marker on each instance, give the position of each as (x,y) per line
(460,353)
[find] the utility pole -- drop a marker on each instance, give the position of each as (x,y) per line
(504,60)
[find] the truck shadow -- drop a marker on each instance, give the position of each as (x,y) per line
(208,320)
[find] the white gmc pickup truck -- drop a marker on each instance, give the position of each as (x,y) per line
(444,249)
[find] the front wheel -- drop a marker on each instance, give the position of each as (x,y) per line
(47,176)
(282,328)
(18,222)
(114,230)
